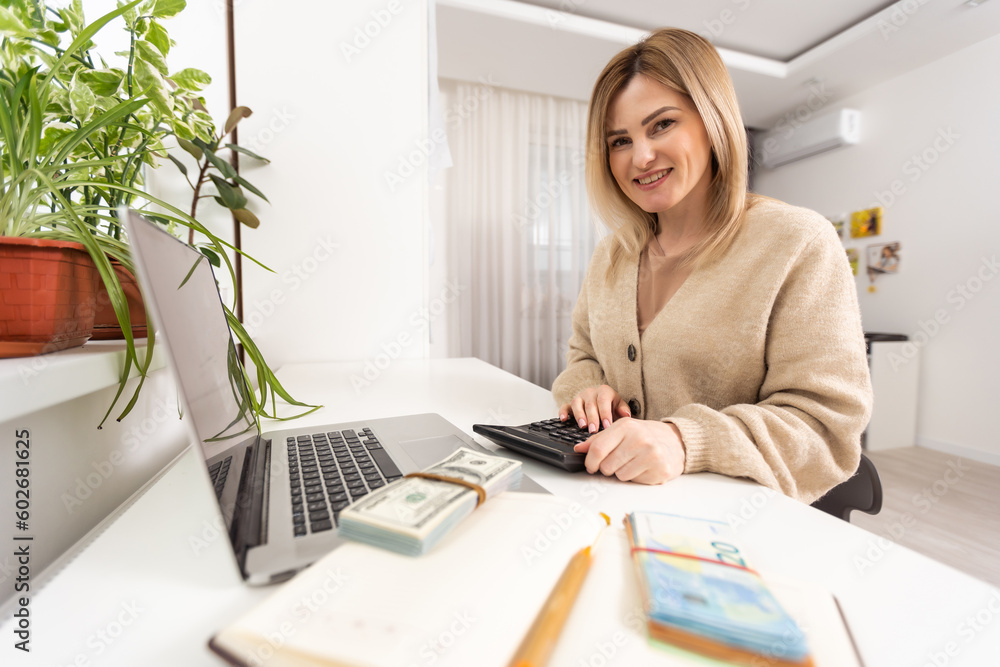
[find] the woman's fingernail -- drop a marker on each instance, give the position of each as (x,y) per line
(592,428)
(583,423)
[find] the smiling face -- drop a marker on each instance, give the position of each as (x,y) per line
(658,149)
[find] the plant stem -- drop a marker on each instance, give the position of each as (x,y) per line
(194,200)
(128,77)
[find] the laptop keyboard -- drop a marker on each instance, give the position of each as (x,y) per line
(328,471)
(219,471)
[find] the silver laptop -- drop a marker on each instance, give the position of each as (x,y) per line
(279,492)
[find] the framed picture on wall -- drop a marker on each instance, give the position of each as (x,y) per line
(866,223)
(883,258)
(852,258)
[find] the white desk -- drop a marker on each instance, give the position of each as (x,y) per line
(157,584)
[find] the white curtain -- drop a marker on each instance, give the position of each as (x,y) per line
(519,228)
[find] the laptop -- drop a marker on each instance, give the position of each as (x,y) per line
(279,492)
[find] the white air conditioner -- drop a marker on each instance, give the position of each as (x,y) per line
(793,140)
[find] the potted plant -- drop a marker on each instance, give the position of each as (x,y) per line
(76,135)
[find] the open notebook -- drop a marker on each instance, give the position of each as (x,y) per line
(472,599)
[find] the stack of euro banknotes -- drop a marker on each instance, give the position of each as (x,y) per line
(413,514)
(699,594)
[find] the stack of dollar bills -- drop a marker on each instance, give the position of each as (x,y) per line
(699,594)
(412,514)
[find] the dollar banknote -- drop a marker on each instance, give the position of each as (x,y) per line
(413,514)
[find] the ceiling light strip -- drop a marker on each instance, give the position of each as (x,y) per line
(604,30)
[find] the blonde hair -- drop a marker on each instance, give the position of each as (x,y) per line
(689,64)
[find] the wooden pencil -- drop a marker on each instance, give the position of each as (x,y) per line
(537,645)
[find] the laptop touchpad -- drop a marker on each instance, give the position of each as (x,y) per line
(425,452)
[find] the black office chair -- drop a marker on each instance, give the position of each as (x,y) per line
(861,492)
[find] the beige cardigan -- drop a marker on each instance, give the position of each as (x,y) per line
(758,359)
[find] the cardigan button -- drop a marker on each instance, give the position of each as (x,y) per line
(631,352)
(634,406)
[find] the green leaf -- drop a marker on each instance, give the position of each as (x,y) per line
(191,79)
(235,116)
(242,181)
(220,164)
(156,35)
(213,258)
(49,36)
(182,130)
(130,15)
(232,197)
(84,37)
(246,217)
(240,149)
(190,148)
(180,165)
(71,141)
(12,26)
(154,86)
(164,8)
(151,55)
(103,82)
(81,99)
(202,125)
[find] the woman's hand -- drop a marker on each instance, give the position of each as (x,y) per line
(636,450)
(594,407)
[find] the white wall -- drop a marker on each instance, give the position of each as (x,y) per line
(339,95)
(347,247)
(932,134)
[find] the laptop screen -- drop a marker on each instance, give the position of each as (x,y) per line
(188,309)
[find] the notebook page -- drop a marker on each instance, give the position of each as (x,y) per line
(470,601)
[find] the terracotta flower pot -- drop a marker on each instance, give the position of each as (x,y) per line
(105,322)
(47,296)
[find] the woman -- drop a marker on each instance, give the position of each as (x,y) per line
(716,330)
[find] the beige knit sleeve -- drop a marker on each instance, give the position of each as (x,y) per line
(582,368)
(802,437)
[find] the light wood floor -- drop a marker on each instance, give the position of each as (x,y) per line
(940,505)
